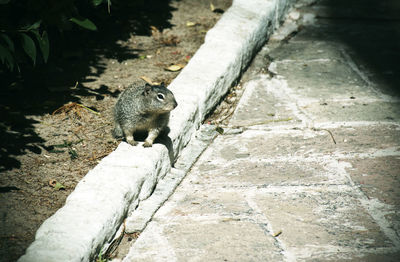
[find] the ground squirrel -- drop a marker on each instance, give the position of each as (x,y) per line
(143,108)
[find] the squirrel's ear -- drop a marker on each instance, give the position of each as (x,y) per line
(147,89)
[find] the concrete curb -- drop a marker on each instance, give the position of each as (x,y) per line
(96,208)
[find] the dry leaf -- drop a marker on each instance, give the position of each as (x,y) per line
(212,7)
(229,219)
(277,233)
(155,33)
(215,10)
(74,108)
(174,68)
(189,24)
(147,80)
(170,40)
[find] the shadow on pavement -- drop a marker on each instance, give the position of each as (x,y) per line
(371,31)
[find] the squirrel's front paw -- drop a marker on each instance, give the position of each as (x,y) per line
(147,144)
(131,141)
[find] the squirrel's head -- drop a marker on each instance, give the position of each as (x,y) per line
(161,99)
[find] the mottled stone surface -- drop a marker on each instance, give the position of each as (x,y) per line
(312,171)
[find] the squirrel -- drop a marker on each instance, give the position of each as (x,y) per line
(143,108)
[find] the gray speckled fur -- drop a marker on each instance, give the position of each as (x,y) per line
(143,108)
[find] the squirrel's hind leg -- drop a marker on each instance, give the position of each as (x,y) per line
(117,131)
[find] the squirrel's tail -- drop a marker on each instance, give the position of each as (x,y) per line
(117,131)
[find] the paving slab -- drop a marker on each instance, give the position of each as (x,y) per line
(205,241)
(353,110)
(379,180)
(260,105)
(319,222)
(267,172)
(323,79)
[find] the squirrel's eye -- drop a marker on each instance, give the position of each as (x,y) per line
(160,97)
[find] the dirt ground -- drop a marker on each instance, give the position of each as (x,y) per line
(52,137)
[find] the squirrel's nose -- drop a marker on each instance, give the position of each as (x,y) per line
(175,104)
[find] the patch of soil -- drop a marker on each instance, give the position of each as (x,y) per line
(50,139)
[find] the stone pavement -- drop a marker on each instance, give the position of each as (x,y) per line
(309,167)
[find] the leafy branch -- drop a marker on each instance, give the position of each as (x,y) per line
(30,38)
(18,43)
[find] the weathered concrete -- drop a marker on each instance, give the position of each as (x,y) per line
(313,173)
(139,216)
(100,202)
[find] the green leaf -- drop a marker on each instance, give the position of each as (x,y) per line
(44,45)
(59,186)
(109,5)
(56,151)
(220,130)
(56,185)
(85,23)
(33,26)
(64,145)
(6,57)
(97,2)
(8,41)
(72,153)
(29,46)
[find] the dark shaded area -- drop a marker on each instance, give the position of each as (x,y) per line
(73,56)
(370,30)
(5,189)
